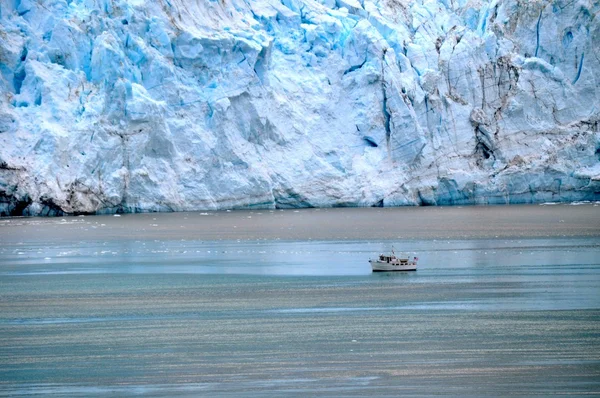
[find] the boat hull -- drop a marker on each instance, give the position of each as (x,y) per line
(379,266)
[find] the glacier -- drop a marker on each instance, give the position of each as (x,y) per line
(113,106)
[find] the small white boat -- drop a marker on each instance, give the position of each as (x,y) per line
(389,262)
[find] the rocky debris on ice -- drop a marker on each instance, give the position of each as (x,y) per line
(127,106)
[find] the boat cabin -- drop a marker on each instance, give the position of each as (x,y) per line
(393,259)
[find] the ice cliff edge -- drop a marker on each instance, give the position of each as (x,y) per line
(171,105)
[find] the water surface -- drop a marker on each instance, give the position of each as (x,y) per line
(116,313)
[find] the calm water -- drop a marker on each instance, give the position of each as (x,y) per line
(155,316)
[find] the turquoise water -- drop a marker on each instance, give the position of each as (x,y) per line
(273,317)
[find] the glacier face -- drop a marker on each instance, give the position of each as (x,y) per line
(171,105)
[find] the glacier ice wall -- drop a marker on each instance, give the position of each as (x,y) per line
(128,105)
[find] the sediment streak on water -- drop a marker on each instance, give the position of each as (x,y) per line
(85,312)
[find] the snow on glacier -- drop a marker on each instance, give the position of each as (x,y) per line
(126,106)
